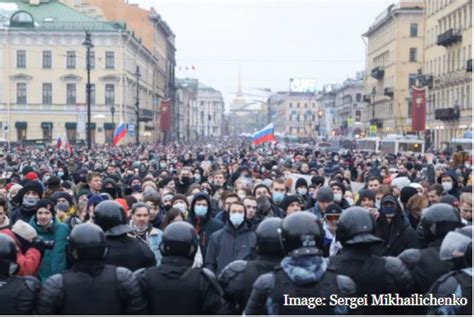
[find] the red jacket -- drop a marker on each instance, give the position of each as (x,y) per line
(30,261)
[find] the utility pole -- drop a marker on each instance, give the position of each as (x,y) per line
(137,105)
(88,44)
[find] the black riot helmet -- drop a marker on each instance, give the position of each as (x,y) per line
(457,247)
(110,214)
(438,220)
(8,265)
(356,226)
(87,242)
(179,238)
(301,234)
(268,237)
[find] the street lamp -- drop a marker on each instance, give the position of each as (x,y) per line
(320,115)
(137,105)
(374,92)
(112,112)
(88,44)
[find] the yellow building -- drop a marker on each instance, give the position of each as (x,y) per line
(43,74)
(448,64)
(394,55)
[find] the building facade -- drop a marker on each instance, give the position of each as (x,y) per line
(448,69)
(43,74)
(349,107)
(394,56)
(186,106)
(207,117)
(156,36)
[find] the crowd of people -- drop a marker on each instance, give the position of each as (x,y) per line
(231,228)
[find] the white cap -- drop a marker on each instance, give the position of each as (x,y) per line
(24,230)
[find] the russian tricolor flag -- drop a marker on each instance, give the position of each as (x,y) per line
(120,133)
(264,135)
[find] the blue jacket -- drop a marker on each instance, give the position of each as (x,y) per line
(53,261)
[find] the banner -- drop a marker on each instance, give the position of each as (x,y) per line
(165,115)
(418,109)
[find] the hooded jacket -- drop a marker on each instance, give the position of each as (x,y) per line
(53,261)
(230,244)
(398,235)
(205,226)
(455,191)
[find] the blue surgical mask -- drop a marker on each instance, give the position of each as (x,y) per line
(30,201)
(200,211)
(277,197)
(236,219)
(388,210)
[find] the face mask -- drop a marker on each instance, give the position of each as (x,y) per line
(60,174)
(62,206)
(200,211)
(350,201)
(137,188)
(236,219)
(336,158)
(337,197)
(140,229)
(163,165)
(30,201)
(45,178)
(389,210)
(447,186)
(302,191)
(181,207)
(186,180)
(197,177)
(278,197)
(111,191)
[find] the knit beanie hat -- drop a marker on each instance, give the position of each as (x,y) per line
(24,230)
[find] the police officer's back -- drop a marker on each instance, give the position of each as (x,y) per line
(17,294)
(124,248)
(425,264)
(303,273)
(457,248)
(91,286)
(175,287)
(238,277)
(372,274)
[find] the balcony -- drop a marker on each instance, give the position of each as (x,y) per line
(146,115)
(469,65)
(388,92)
(377,73)
(377,122)
(449,37)
(447,114)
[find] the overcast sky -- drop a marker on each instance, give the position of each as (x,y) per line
(271,40)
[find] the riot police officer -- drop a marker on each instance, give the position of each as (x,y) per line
(372,274)
(303,274)
(91,286)
(424,264)
(238,277)
(124,248)
(17,294)
(176,287)
(457,248)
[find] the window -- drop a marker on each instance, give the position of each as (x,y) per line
(291,105)
(47,59)
(71,94)
(71,59)
(92,94)
(357,116)
(411,80)
(21,93)
(110,94)
(298,105)
(412,54)
(314,105)
(358,97)
(92,59)
(306,105)
(21,59)
(409,109)
(413,29)
(47,94)
(109,60)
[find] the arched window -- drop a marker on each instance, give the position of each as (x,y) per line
(22,19)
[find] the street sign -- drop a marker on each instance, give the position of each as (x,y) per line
(131,128)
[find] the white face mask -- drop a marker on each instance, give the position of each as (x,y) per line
(350,201)
(302,191)
(338,197)
(181,207)
(236,219)
(447,186)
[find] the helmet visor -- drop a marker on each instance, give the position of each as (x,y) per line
(454,245)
